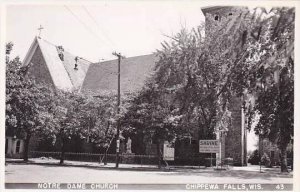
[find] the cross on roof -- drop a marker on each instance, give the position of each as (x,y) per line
(40,30)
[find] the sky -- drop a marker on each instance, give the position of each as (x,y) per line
(94,31)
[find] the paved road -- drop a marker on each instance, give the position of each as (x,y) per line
(22,173)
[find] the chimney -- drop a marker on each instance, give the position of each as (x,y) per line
(76,65)
(60,51)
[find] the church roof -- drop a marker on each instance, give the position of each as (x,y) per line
(62,72)
(134,72)
(76,75)
(91,77)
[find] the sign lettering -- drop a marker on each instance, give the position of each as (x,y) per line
(209,146)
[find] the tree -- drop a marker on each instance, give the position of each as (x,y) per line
(26,102)
(192,84)
(86,116)
(254,158)
(101,117)
(268,75)
(238,56)
(66,119)
(151,113)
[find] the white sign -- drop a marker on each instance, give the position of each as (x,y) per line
(209,146)
(169,152)
(118,146)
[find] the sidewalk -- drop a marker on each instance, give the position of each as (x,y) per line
(139,167)
(50,161)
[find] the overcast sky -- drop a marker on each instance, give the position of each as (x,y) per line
(95,31)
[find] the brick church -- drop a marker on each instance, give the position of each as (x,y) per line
(53,65)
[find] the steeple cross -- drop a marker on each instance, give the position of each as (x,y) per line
(40,30)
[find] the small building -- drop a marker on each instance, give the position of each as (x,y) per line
(270,150)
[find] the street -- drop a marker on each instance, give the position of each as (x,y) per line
(30,173)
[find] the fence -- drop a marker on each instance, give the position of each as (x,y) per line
(97,157)
(129,158)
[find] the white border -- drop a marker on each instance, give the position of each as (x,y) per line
(205,3)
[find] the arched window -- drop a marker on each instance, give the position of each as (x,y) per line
(18,145)
(217,17)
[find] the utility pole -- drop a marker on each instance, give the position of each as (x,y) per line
(118,108)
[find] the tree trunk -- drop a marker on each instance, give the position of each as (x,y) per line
(105,156)
(26,147)
(158,153)
(283,160)
(62,154)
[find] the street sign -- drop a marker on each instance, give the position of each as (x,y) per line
(209,146)
(169,152)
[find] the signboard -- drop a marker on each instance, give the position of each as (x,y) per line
(169,152)
(118,146)
(209,146)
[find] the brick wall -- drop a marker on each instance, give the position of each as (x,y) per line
(233,141)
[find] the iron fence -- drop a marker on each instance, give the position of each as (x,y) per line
(97,157)
(129,158)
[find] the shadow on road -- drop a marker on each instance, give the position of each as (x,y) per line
(241,174)
(248,173)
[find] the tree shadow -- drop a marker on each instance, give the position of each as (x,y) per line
(240,174)
(267,175)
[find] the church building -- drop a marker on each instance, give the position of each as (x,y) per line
(53,65)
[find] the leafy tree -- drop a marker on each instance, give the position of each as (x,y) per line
(88,117)
(101,119)
(151,114)
(268,75)
(26,102)
(254,158)
(246,54)
(192,84)
(66,119)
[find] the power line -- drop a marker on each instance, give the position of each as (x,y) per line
(86,26)
(98,26)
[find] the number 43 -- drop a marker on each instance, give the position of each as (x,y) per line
(279,186)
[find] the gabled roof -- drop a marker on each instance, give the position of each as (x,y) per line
(92,77)
(63,74)
(134,71)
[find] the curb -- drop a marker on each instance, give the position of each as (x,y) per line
(163,169)
(89,166)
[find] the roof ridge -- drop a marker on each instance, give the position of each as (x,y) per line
(46,41)
(55,66)
(62,61)
(124,58)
